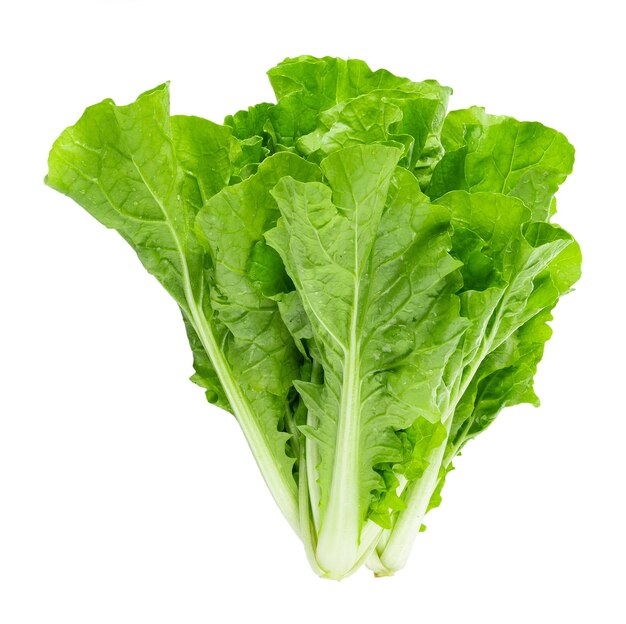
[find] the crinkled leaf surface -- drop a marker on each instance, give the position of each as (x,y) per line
(360,330)
(368,256)
(147,175)
(503,155)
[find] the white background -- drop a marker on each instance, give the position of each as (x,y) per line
(125,498)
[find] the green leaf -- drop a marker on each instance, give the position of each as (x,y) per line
(265,268)
(368,256)
(410,120)
(421,439)
(506,298)
(339,103)
(500,154)
(251,127)
(119,163)
(146,175)
(533,263)
(385,501)
(506,375)
(263,356)
(365,283)
(232,225)
(249,123)
(205,375)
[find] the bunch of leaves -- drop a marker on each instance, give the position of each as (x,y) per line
(365,282)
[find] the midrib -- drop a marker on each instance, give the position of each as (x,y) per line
(283,493)
(395,550)
(339,535)
(345,474)
(338,541)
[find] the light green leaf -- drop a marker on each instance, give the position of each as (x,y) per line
(252,129)
(531,265)
(368,256)
(249,123)
(506,299)
(119,163)
(261,352)
(410,120)
(343,103)
(145,174)
(205,375)
(360,331)
(232,225)
(506,375)
(500,154)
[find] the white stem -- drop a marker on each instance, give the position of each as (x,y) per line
(398,547)
(307,529)
(367,548)
(374,563)
(284,492)
(337,548)
(395,552)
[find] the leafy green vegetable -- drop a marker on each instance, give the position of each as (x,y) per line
(365,282)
